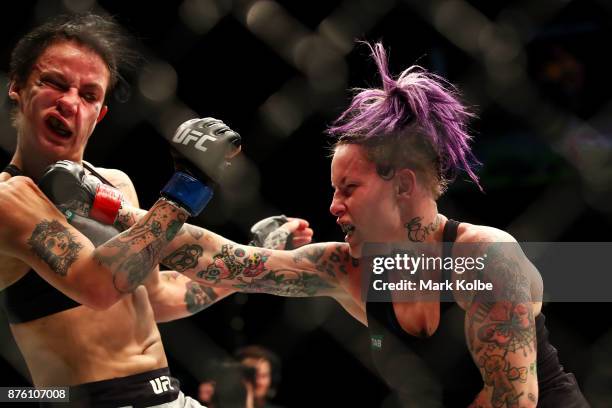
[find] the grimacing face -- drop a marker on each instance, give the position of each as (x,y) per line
(61,102)
(365,205)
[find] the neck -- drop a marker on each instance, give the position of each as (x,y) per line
(424,223)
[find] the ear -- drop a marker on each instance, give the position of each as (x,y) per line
(102,114)
(405,180)
(13,91)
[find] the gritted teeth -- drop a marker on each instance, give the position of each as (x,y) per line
(347,228)
(58,127)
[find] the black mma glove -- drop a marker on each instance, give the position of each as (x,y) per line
(262,229)
(67,185)
(201,149)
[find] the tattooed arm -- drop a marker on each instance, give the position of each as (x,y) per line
(324,269)
(34,231)
(500,329)
(175,296)
(311,270)
(172,295)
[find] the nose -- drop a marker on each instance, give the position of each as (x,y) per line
(68,102)
(337,207)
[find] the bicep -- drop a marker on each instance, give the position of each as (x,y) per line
(500,326)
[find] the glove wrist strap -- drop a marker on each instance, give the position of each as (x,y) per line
(188,192)
(106,205)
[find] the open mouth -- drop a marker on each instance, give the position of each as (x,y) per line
(348,229)
(58,127)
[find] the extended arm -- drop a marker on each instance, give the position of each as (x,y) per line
(174,296)
(312,270)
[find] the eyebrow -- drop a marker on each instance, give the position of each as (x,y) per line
(58,74)
(342,182)
(92,86)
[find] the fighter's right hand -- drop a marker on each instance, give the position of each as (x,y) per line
(201,149)
(67,185)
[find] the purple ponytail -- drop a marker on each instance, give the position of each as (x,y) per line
(417,104)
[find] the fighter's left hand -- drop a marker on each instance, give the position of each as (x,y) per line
(280,232)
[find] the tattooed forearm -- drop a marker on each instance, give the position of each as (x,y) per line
(135,252)
(248,270)
(54,244)
(418,232)
(136,268)
(232,263)
(286,282)
(194,232)
(198,296)
(124,220)
(184,258)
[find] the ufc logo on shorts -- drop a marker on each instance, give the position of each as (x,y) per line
(188,135)
(161,384)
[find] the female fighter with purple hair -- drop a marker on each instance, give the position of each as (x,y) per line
(397,149)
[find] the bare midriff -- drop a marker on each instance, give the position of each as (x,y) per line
(81,345)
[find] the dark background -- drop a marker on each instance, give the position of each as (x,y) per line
(536,73)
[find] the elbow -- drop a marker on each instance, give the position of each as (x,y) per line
(99,299)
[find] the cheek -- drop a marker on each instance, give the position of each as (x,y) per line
(90,118)
(383,206)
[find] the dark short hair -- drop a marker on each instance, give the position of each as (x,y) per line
(230,389)
(101,34)
(261,353)
(256,352)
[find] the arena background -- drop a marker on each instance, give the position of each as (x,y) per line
(536,72)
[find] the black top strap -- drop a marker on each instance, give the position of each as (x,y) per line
(13,170)
(449,235)
(98,175)
(450,231)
